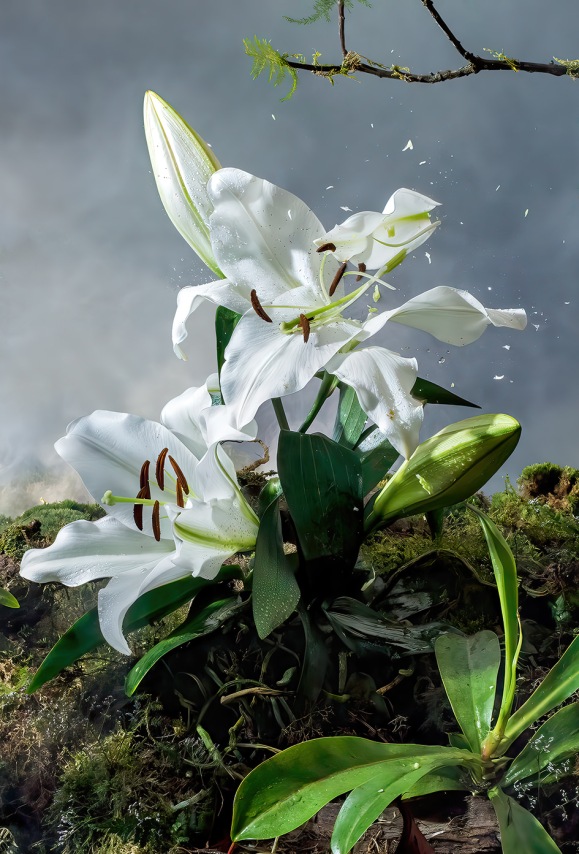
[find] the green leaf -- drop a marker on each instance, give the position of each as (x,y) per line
(315,660)
(469,667)
(368,801)
(556,740)
(448,779)
(85,635)
(560,683)
(322,484)
(7,599)
(288,789)
(350,418)
(275,591)
(428,392)
(376,463)
(265,57)
(210,618)
(520,831)
(225,322)
(505,571)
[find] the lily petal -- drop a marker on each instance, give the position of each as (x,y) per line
(85,551)
(383,382)
(182,165)
(182,417)
(190,298)
(262,362)
(262,236)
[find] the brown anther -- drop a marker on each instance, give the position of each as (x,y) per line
(145,491)
(337,278)
(180,498)
(181,479)
(326,247)
(305,327)
(160,468)
(144,479)
(156,521)
(258,308)
(362,269)
(138,516)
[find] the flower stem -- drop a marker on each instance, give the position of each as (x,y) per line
(280,413)
(328,384)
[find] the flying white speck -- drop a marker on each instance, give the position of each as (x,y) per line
(526,212)
(408,146)
(428,256)
(497,377)
(345,208)
(506,346)
(273,117)
(498,187)
(422,162)
(331,187)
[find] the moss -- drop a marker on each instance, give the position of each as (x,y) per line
(555,485)
(39,525)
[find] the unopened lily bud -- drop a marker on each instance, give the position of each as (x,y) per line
(182,165)
(447,468)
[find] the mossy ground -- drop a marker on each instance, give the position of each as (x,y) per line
(86,770)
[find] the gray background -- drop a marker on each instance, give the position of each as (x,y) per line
(90,264)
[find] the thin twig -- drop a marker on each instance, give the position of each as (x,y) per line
(446,29)
(341,27)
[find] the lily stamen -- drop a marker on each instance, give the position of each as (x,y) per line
(180,498)
(258,308)
(144,477)
(327,247)
(337,278)
(304,324)
(181,479)
(361,269)
(160,468)
(156,521)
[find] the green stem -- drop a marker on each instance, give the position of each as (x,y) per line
(280,413)
(328,384)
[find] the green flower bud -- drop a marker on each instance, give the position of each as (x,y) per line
(447,468)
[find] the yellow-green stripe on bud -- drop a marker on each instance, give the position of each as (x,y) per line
(447,468)
(182,165)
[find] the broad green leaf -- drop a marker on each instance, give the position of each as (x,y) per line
(428,392)
(448,779)
(85,635)
(315,660)
(288,789)
(322,484)
(350,418)
(210,618)
(7,599)
(271,490)
(521,833)
(376,463)
(469,667)
(225,322)
(367,802)
(560,683)
(505,571)
(556,740)
(275,591)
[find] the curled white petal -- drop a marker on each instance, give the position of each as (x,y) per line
(221,292)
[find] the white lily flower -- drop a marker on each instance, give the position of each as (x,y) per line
(293,302)
(381,241)
(174,507)
(182,165)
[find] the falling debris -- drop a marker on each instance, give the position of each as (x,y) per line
(498,187)
(331,187)
(345,208)
(506,346)
(428,256)
(422,162)
(527,211)
(273,117)
(497,377)
(408,146)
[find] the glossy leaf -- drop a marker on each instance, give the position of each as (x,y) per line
(505,571)
(376,463)
(560,683)
(469,667)
(210,618)
(367,802)
(451,778)
(288,789)
(556,740)
(225,322)
(322,484)
(350,418)
(315,660)
(275,591)
(7,599)
(85,635)
(428,392)
(521,833)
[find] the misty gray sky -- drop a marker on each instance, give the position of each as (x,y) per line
(90,265)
